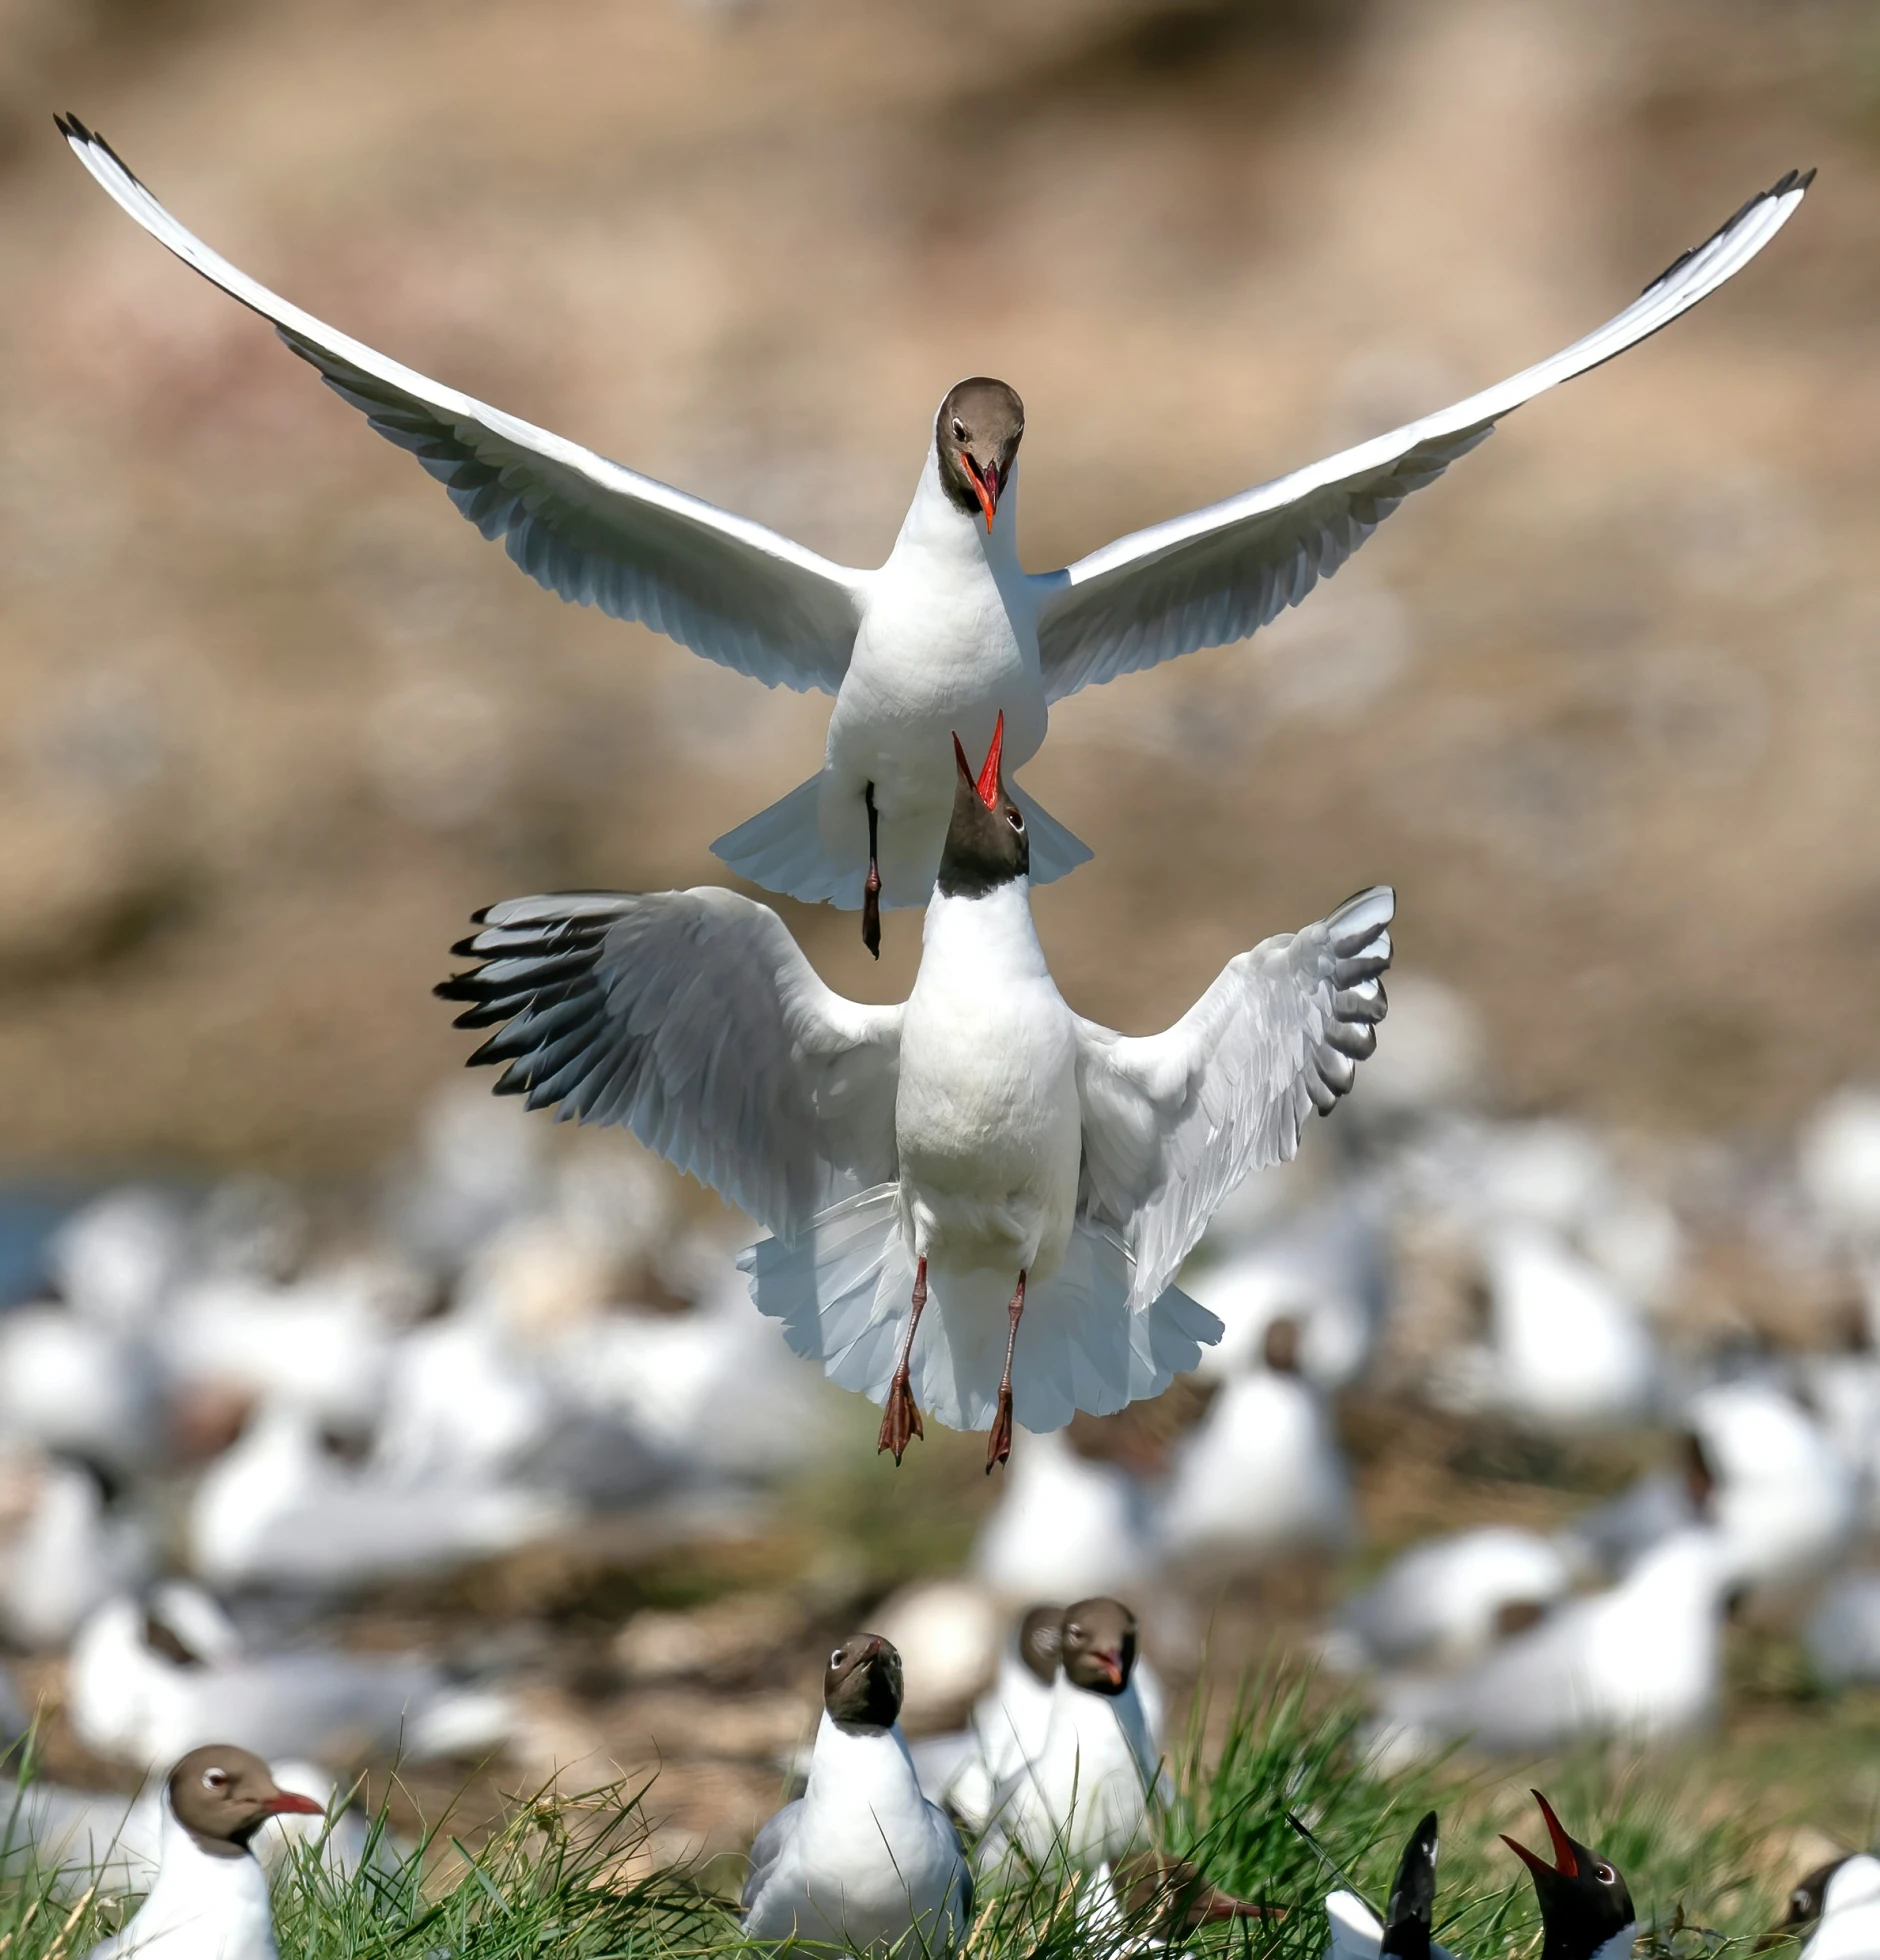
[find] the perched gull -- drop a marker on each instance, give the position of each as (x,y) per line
(1640,1660)
(1035,1178)
(1065,1525)
(951,630)
(1084,1795)
(1262,1475)
(861,1860)
(1447,1599)
(209,1900)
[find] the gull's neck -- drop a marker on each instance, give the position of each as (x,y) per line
(936,527)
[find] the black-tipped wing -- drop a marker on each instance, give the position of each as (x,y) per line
(693,1020)
(1174,1121)
(1219,574)
(1412,1909)
(586,528)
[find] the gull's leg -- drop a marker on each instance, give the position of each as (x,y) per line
(900,1420)
(871,935)
(999,1442)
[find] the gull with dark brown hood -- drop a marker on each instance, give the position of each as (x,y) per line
(951,630)
(980,1200)
(209,1900)
(861,1862)
(1084,1795)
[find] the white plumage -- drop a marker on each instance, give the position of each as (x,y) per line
(951,629)
(1849,1928)
(991,1131)
(861,1860)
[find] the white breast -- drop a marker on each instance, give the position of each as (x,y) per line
(868,1859)
(201,1907)
(986,1114)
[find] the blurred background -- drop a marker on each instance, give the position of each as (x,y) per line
(408,1383)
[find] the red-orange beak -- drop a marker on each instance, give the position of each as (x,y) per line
(985,488)
(292,1803)
(1566,1860)
(1112,1666)
(988,784)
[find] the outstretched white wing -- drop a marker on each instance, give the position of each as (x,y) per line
(1172,1122)
(1219,574)
(588,529)
(693,1020)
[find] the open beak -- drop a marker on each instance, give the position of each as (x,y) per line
(285,1803)
(986,786)
(1566,1860)
(985,488)
(1112,1666)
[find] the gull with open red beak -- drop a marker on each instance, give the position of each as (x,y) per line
(979,1200)
(209,1900)
(1586,1911)
(951,629)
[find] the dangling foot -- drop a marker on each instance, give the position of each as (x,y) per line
(999,1442)
(871,899)
(900,1420)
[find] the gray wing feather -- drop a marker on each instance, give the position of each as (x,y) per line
(1219,574)
(584,527)
(693,1020)
(766,1848)
(1173,1122)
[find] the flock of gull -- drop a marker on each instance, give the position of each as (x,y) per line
(981,1209)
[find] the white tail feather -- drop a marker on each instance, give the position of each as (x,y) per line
(784,849)
(843,1292)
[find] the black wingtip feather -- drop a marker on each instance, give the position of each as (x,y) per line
(482,913)
(1791,180)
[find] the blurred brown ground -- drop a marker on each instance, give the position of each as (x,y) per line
(273,719)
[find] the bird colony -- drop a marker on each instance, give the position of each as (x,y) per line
(974,1208)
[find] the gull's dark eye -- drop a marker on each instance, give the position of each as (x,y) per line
(1604,1873)
(215,1779)
(1073,1633)
(959,430)
(835,1659)
(1016,818)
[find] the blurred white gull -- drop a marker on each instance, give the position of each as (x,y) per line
(1065,1526)
(1262,1475)
(467,1401)
(324,1343)
(65,1556)
(1565,1348)
(1326,1270)
(80,1386)
(278,1510)
(1784,1502)
(1759,1469)
(113,1260)
(1637,1661)
(1838,1164)
(141,1690)
(1443,1601)
(715,1390)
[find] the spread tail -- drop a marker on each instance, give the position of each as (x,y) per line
(784,850)
(843,1294)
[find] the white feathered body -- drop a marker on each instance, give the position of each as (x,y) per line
(948,642)
(1084,1797)
(861,1860)
(202,1906)
(986,1117)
